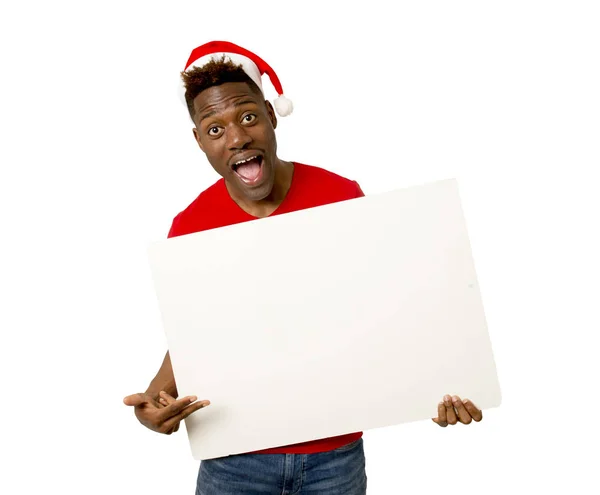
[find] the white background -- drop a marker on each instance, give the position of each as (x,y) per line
(97,157)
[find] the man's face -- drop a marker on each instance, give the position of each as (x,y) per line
(235,128)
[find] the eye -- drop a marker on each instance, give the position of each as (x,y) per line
(248,119)
(214,131)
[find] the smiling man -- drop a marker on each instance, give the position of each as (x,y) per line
(235,127)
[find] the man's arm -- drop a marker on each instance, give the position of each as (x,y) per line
(163,381)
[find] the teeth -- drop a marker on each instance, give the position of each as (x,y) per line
(244,161)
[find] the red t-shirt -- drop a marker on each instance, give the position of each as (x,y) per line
(311,186)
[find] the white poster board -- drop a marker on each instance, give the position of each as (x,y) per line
(337,319)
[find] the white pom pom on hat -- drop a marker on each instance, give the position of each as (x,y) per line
(252,64)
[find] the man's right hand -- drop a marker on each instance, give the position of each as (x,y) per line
(165,417)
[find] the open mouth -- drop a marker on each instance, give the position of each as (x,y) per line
(249,170)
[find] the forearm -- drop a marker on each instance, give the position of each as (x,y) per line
(164,380)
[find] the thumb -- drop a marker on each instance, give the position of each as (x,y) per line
(135,399)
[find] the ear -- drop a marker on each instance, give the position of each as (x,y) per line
(272,115)
(197,138)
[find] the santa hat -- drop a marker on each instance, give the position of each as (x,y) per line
(252,64)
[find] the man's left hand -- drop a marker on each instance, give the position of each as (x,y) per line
(453,410)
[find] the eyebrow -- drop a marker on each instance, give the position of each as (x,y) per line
(236,104)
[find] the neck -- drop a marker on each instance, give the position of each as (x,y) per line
(264,207)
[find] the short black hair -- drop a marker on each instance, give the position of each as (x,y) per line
(214,73)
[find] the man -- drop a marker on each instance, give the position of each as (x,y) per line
(235,127)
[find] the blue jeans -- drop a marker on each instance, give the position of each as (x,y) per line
(338,472)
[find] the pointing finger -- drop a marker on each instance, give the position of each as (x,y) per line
(172,422)
(176,407)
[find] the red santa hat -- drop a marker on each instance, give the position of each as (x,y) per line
(252,64)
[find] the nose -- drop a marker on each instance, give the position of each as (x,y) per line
(237,137)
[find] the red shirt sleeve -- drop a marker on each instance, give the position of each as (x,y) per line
(174,231)
(359,191)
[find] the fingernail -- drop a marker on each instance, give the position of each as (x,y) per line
(193,398)
(455,399)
